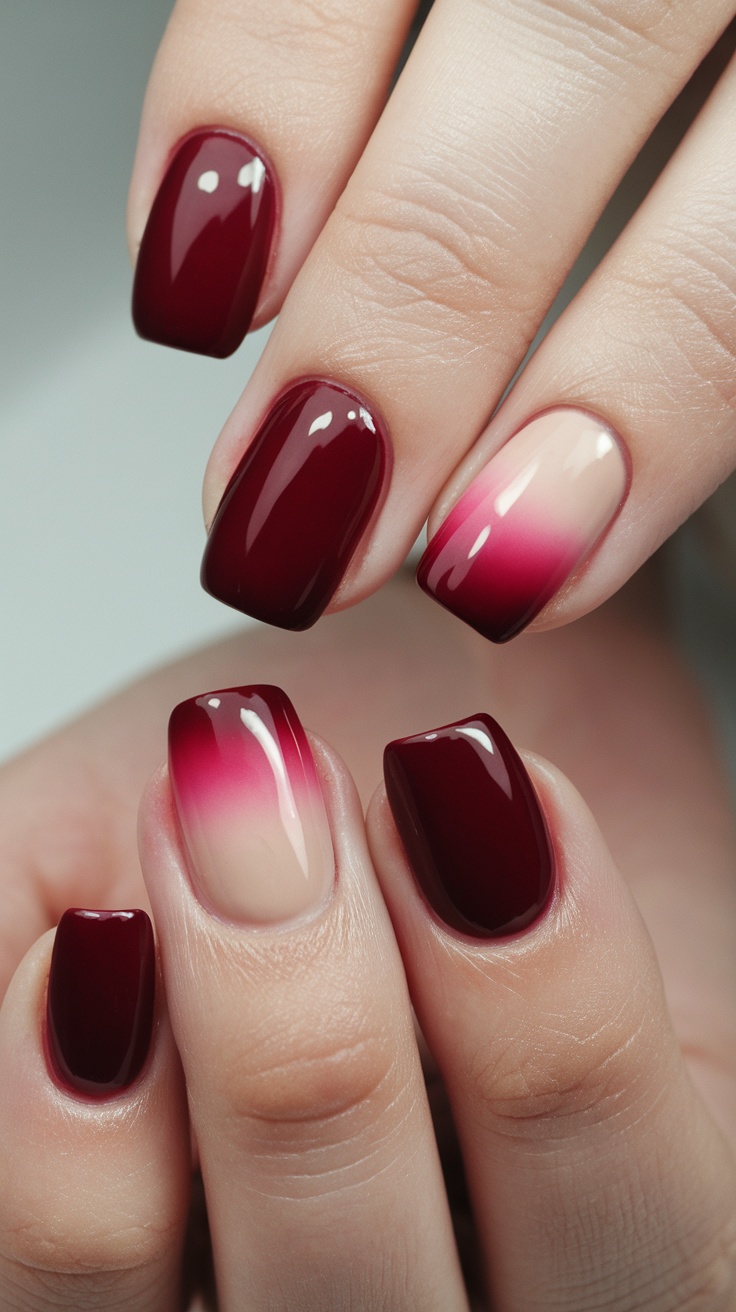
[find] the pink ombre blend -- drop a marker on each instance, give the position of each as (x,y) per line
(526,522)
(250,805)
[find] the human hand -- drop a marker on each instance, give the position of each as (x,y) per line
(413,258)
(597,1173)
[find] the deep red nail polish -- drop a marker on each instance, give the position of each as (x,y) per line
(100,999)
(471,826)
(204,250)
(297,505)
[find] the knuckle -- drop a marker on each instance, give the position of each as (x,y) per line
(623,29)
(685,293)
(53,1241)
(702,287)
(38,1290)
(554,1076)
(436,250)
(309,1083)
(294,28)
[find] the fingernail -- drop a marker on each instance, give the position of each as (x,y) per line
(296,506)
(250,805)
(526,522)
(471,826)
(99,1011)
(204,250)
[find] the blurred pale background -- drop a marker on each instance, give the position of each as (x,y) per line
(103,438)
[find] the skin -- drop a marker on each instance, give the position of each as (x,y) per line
(584,1073)
(439,234)
(631,975)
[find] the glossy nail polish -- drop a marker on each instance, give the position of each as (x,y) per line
(100,1000)
(526,522)
(296,506)
(250,805)
(205,247)
(471,826)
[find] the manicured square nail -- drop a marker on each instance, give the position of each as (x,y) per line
(99,1010)
(250,805)
(204,250)
(297,506)
(526,522)
(471,826)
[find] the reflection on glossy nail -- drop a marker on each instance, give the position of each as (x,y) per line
(100,999)
(203,255)
(297,505)
(471,826)
(250,804)
(525,523)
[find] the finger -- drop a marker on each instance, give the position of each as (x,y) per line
(94,1147)
(588,1152)
(290,1010)
(78,847)
(252,122)
(648,348)
(427,284)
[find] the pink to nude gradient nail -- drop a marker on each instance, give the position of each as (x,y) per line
(250,805)
(526,522)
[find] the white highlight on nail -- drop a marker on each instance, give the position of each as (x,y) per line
(213,701)
(252,175)
(510,495)
(367,419)
(589,447)
(351,414)
(208,181)
(322,421)
(287,806)
(478,735)
(480,541)
(498,770)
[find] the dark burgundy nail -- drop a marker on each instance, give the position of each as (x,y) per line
(297,505)
(204,251)
(100,999)
(471,826)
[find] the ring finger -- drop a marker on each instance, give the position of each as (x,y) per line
(426,285)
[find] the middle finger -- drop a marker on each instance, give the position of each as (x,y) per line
(508,130)
(290,1011)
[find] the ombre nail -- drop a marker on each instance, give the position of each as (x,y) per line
(526,522)
(250,805)
(471,826)
(99,1010)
